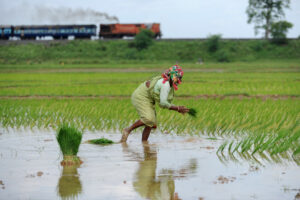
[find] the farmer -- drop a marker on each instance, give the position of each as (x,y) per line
(159,89)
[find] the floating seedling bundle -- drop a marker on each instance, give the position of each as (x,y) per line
(69,139)
(101,141)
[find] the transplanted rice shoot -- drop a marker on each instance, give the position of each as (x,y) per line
(69,139)
(102,141)
(192,112)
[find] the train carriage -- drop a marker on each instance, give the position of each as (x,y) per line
(6,32)
(121,30)
(55,31)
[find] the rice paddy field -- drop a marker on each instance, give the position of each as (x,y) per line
(248,119)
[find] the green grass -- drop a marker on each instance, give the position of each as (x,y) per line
(102,141)
(119,51)
(262,65)
(69,139)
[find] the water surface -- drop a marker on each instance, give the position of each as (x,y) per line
(167,167)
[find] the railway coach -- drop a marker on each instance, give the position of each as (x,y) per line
(121,30)
(6,32)
(55,31)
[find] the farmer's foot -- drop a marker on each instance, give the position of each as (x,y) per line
(125,133)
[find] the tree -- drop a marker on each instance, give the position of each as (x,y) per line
(143,39)
(265,12)
(279,31)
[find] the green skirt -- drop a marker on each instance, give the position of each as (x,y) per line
(144,105)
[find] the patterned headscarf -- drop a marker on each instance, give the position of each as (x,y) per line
(174,73)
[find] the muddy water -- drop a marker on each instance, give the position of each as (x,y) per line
(167,167)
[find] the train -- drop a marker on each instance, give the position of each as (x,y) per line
(85,31)
(55,31)
(129,30)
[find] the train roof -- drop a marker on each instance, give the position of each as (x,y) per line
(128,23)
(55,26)
(5,26)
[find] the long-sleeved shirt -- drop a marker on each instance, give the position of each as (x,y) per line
(163,90)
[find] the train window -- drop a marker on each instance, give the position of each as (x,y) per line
(7,30)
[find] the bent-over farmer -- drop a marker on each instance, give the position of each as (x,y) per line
(159,89)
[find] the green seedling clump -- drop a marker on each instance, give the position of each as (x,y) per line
(69,139)
(192,112)
(102,141)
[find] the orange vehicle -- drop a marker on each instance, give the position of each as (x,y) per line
(121,30)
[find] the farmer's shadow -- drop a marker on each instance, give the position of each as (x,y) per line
(152,185)
(69,185)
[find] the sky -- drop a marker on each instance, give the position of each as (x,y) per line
(177,18)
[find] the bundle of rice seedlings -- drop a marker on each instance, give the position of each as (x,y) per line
(102,141)
(192,112)
(69,139)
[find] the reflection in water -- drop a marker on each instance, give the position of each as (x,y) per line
(69,185)
(157,186)
(260,158)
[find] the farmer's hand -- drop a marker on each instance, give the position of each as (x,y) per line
(182,109)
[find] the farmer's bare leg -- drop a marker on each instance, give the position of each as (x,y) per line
(146,133)
(128,130)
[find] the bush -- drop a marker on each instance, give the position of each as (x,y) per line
(222,56)
(279,31)
(143,39)
(213,43)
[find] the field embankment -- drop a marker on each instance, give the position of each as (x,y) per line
(122,52)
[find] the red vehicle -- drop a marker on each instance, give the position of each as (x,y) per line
(121,30)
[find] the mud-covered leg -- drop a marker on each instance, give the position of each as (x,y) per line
(146,133)
(127,131)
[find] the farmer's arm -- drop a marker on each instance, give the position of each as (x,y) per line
(163,96)
(164,92)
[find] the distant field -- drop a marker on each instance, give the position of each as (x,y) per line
(123,84)
(289,65)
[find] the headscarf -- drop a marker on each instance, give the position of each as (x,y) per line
(174,73)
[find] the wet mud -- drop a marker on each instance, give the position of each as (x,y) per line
(166,167)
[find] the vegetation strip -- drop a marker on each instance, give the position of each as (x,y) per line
(248,125)
(204,96)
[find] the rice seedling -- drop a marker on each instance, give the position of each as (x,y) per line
(101,141)
(69,139)
(112,84)
(192,112)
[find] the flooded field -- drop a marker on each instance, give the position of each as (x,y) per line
(166,167)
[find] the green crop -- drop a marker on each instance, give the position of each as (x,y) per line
(123,84)
(102,141)
(69,139)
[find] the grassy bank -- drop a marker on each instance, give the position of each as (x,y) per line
(121,52)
